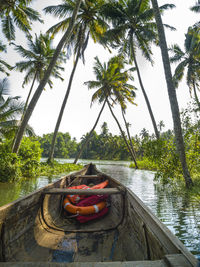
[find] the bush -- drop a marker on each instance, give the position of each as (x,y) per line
(10,167)
(25,164)
(30,154)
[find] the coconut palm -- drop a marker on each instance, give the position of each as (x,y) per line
(88,23)
(37,58)
(189,60)
(65,38)
(133,27)
(17,14)
(89,135)
(111,78)
(4,67)
(10,109)
(196,7)
(172,95)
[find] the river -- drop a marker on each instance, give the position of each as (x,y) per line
(179,213)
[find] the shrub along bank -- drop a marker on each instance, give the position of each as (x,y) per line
(27,162)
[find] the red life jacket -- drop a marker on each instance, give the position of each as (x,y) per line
(86,218)
(89,201)
(76,198)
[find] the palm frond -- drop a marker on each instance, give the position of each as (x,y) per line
(8,28)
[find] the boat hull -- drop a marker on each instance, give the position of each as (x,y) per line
(36,229)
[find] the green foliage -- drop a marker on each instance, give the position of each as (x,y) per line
(30,154)
(145,164)
(25,164)
(57,168)
(9,167)
(65,146)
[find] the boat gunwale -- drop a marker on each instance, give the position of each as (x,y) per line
(147,216)
(143,210)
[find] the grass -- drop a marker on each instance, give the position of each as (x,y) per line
(57,168)
(145,164)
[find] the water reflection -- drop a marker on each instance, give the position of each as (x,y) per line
(180,214)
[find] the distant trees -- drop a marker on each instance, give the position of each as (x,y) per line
(65,146)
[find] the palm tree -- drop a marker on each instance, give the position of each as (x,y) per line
(38,57)
(10,109)
(161,125)
(89,135)
(196,7)
(88,23)
(17,13)
(188,59)
(172,95)
(133,27)
(45,79)
(3,65)
(110,79)
(127,125)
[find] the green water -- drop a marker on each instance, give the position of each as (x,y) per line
(180,214)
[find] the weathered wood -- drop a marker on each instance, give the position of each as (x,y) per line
(88,192)
(177,260)
(158,263)
(89,176)
(35,230)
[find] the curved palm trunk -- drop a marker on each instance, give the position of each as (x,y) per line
(42,84)
(50,159)
(146,97)
(29,94)
(129,137)
(122,133)
(89,135)
(172,95)
(195,95)
(25,106)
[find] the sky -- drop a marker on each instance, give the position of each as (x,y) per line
(79,116)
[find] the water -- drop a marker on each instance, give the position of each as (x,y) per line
(180,214)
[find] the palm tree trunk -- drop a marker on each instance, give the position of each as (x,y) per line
(29,94)
(128,133)
(42,84)
(195,96)
(25,106)
(172,95)
(50,159)
(122,133)
(145,96)
(89,135)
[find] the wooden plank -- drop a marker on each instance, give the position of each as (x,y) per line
(158,263)
(177,260)
(89,176)
(65,191)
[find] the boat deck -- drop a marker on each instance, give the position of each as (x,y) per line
(37,231)
(176,260)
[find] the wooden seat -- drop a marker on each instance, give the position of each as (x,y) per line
(88,192)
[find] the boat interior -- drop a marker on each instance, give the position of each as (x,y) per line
(37,230)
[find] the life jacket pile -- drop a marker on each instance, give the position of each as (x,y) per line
(87,208)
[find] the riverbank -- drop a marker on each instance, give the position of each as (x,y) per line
(175,184)
(57,168)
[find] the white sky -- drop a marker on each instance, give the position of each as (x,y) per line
(79,117)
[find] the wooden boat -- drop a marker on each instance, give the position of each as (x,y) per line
(35,230)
